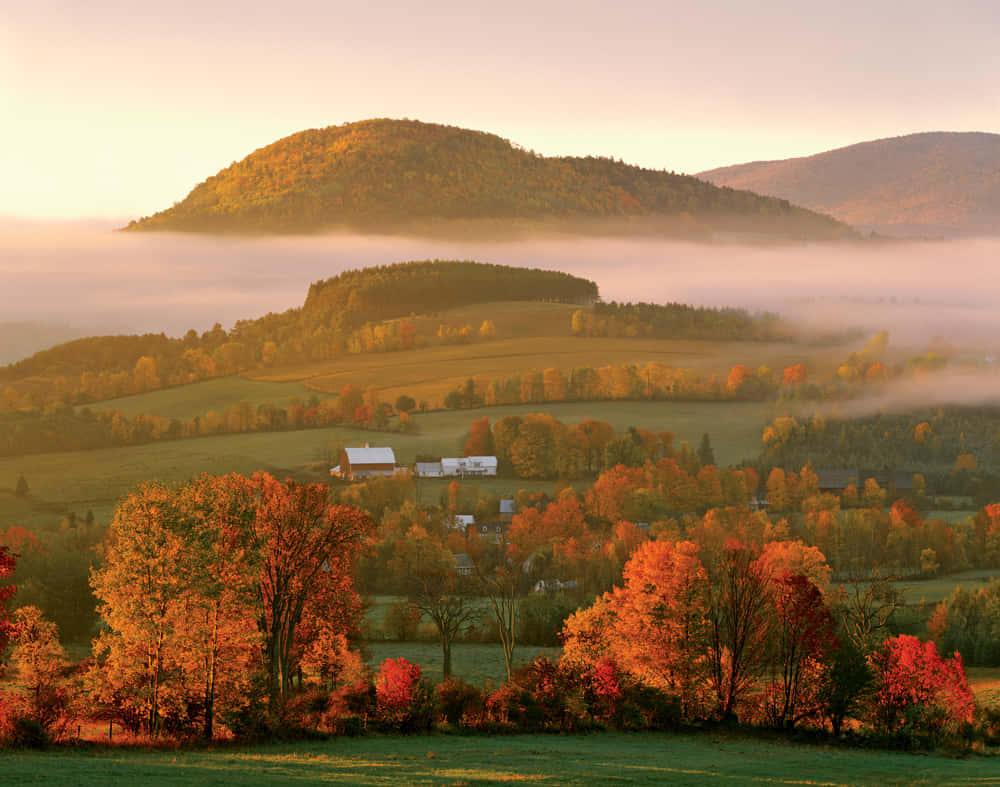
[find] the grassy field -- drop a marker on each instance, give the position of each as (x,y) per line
(534,336)
(985,684)
(472,662)
(606,758)
(950,516)
(932,591)
(94,480)
(187,401)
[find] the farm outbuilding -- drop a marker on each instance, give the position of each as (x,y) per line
(428,470)
(365,462)
(463,466)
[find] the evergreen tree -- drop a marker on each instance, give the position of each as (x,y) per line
(705,453)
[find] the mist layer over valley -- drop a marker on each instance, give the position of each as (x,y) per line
(62,282)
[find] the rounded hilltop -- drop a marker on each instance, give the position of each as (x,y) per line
(396,175)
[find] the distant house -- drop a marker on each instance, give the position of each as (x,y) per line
(462,522)
(894,481)
(493,531)
(464,565)
(507,509)
(553,586)
(428,470)
(365,462)
(463,466)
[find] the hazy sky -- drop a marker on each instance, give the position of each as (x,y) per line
(115,109)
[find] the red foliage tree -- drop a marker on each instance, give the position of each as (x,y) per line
(480,439)
(917,691)
(803,639)
(8,562)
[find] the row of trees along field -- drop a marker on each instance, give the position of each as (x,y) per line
(675,321)
(65,428)
(246,609)
(356,311)
(952,447)
(643,478)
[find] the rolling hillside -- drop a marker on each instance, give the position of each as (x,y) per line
(918,185)
(402,175)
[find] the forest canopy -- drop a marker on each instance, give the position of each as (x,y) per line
(384,174)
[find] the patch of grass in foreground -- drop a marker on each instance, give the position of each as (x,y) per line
(606,758)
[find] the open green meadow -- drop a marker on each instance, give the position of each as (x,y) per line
(187,401)
(604,758)
(95,480)
(534,336)
(474,663)
(933,591)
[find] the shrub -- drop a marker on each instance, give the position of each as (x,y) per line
(512,707)
(350,707)
(405,703)
(459,703)
(918,695)
(401,621)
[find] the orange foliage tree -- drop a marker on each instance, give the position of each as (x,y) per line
(205,584)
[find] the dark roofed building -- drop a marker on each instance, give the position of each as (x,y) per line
(896,481)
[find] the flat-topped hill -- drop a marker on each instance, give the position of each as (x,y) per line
(392,175)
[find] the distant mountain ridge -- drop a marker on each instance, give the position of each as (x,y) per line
(920,184)
(390,174)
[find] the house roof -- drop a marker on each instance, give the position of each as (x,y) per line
(371,456)
(838,479)
(507,506)
(469,461)
(462,560)
(482,461)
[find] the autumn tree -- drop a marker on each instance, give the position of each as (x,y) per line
(917,691)
(140,589)
(802,631)
(39,661)
(8,563)
(435,588)
(655,626)
(189,571)
(738,622)
(480,439)
(307,549)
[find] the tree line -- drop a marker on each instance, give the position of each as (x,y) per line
(65,428)
(677,321)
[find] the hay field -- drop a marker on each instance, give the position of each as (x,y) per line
(715,758)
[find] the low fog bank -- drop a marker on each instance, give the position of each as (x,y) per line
(92,281)
(903,395)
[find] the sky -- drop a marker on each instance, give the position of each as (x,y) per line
(112,109)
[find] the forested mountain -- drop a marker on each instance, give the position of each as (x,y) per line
(920,184)
(399,174)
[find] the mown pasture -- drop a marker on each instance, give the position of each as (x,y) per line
(477,663)
(187,401)
(710,758)
(933,591)
(537,336)
(94,480)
